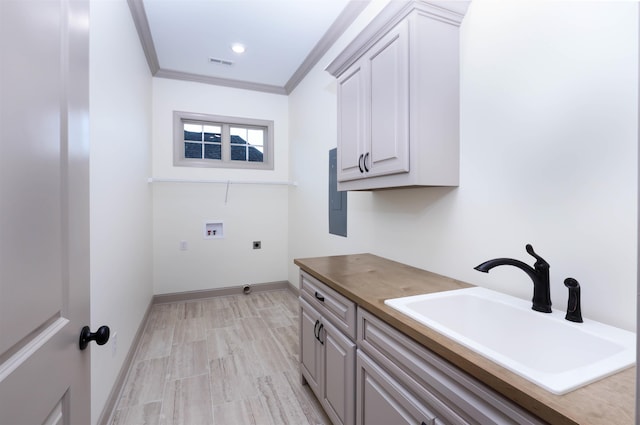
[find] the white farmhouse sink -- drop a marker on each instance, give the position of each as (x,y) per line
(544,348)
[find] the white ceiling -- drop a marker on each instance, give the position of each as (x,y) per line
(283,38)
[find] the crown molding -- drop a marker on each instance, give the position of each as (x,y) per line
(451,12)
(144,33)
(342,22)
(216,81)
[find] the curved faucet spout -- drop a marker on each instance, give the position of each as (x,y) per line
(488,265)
(539,274)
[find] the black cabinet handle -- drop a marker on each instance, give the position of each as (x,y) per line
(319,297)
(320,333)
(315,329)
(364,162)
(360,164)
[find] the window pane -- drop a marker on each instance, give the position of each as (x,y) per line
(237,140)
(253,144)
(212,133)
(255,137)
(193,132)
(255,154)
(212,129)
(192,150)
(238,135)
(212,137)
(238,152)
(213,151)
(193,127)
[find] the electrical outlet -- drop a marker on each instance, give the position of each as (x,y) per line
(184,246)
(257,244)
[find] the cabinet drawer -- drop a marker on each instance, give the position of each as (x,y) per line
(382,400)
(334,307)
(454,395)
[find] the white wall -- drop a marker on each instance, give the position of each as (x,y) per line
(313,130)
(548,157)
(120,119)
(250,212)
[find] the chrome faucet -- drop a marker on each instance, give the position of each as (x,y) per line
(539,274)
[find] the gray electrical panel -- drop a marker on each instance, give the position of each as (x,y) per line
(337,200)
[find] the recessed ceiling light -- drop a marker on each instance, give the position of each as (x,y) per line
(238,48)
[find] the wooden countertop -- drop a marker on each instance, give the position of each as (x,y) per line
(368,280)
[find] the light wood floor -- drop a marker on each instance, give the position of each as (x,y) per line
(226,360)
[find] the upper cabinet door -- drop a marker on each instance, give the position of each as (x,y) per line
(373,116)
(351,123)
(388,64)
(398,99)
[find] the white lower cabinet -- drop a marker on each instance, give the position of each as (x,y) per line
(338,371)
(327,354)
(310,348)
(366,372)
(327,362)
(400,379)
(381,400)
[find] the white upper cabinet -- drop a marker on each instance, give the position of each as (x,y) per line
(373,110)
(398,99)
(351,126)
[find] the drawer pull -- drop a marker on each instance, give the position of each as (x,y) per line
(319,297)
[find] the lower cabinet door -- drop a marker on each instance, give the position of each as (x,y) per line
(310,348)
(338,398)
(381,400)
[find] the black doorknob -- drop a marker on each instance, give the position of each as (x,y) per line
(101,336)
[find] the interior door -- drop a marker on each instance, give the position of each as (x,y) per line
(44,211)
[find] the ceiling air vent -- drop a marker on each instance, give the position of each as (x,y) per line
(220,61)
